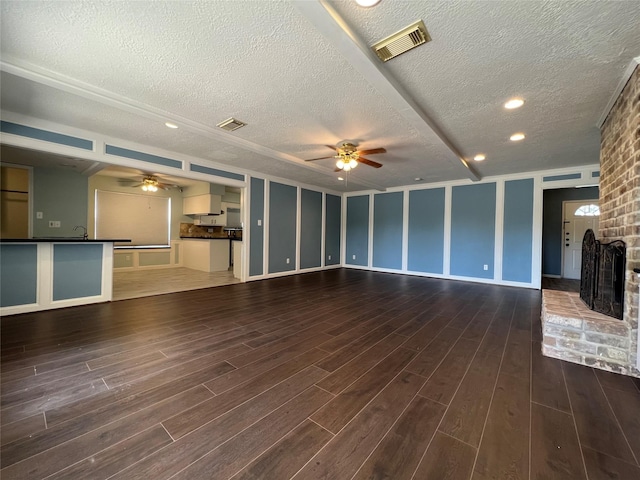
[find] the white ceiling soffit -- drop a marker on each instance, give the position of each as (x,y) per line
(335,29)
(52,79)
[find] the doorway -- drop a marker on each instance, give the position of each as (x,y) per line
(14,201)
(578,217)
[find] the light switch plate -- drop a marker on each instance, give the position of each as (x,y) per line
(39,215)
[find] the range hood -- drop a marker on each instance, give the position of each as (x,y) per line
(202,205)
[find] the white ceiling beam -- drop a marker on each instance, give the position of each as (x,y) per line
(82,89)
(330,24)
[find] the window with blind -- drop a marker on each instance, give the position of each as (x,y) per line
(145,219)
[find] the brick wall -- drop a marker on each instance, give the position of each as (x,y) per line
(570,330)
(620,191)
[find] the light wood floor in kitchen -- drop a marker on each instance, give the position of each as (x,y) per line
(335,375)
(158,281)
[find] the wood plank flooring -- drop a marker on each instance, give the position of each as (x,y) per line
(342,374)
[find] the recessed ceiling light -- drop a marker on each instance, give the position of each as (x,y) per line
(367,3)
(340,178)
(514,103)
(480,157)
(516,137)
(417,179)
(171,125)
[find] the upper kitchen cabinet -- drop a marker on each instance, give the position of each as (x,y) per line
(202,205)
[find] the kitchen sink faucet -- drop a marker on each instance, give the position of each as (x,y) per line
(85,235)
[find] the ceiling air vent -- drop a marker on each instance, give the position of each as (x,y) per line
(402,41)
(231,124)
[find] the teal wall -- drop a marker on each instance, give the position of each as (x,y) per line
(517,238)
(426,231)
(333,219)
(552,224)
(283,203)
(18,274)
(256,212)
(473,220)
(60,194)
(310,229)
(387,230)
(77,270)
(357,230)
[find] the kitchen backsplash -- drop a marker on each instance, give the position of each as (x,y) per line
(189,230)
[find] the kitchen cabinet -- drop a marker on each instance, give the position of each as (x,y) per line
(206,255)
(232,212)
(202,205)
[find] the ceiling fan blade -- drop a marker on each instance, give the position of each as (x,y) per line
(373,151)
(371,163)
(331,147)
(321,158)
(337,169)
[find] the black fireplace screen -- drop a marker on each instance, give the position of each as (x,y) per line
(602,275)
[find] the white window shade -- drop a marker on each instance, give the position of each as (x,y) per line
(145,219)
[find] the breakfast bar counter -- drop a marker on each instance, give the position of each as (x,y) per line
(46,273)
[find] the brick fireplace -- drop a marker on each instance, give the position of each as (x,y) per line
(571,331)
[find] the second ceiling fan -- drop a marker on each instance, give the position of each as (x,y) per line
(349,156)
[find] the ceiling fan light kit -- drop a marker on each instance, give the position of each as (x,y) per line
(349,156)
(150,184)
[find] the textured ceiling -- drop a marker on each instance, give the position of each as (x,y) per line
(268,65)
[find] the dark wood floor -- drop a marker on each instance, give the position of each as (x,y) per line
(334,375)
(562,284)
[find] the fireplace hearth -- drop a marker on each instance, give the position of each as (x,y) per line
(602,275)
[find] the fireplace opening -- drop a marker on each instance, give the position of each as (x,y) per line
(602,275)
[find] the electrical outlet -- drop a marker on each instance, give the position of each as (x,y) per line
(51,223)
(353,257)
(54,223)
(486,267)
(329,257)
(259,222)
(39,215)
(288,260)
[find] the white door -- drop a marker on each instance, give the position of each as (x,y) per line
(579,216)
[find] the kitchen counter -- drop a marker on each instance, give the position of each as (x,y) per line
(63,240)
(212,238)
(56,272)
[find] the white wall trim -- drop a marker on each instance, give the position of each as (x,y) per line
(498,248)
(323,230)
(536,232)
(298,226)
(265,228)
(446,254)
(405,230)
(372,199)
